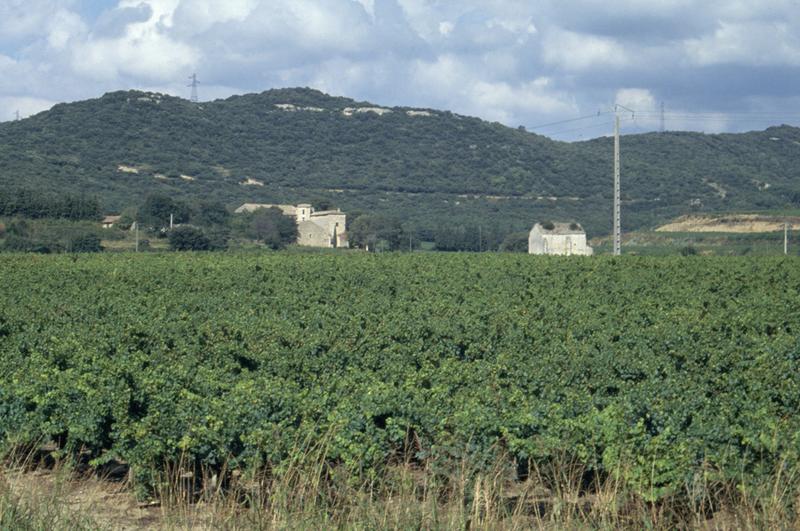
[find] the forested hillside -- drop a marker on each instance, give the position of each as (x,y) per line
(428,167)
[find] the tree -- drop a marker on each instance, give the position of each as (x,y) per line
(272,227)
(156,209)
(188,238)
(376,232)
(85,243)
(322,203)
(209,213)
(516,242)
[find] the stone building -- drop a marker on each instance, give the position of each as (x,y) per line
(324,228)
(110,221)
(565,239)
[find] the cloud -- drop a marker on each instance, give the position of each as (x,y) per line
(515,61)
(114,22)
(579,51)
(25,105)
(759,44)
(463,84)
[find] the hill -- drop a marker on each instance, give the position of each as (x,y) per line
(429,167)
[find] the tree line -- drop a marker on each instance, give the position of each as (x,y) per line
(209,225)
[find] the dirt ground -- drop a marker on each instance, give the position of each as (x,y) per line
(110,504)
(739,223)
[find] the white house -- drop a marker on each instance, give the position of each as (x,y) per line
(565,239)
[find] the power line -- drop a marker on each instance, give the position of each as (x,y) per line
(588,116)
(586,128)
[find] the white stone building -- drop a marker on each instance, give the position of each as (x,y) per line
(565,239)
(324,228)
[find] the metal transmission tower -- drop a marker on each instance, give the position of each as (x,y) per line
(662,118)
(194,84)
(617,216)
(16,115)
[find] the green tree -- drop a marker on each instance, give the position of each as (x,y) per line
(188,238)
(376,232)
(516,242)
(157,208)
(209,213)
(272,227)
(85,243)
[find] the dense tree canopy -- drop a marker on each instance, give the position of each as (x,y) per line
(188,238)
(273,228)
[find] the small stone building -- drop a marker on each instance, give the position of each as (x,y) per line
(110,221)
(566,239)
(324,228)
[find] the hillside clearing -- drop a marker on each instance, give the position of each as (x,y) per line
(738,223)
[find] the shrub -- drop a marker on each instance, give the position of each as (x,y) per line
(85,243)
(272,227)
(516,242)
(188,239)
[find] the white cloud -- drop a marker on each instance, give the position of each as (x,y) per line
(153,58)
(464,84)
(25,105)
(62,27)
(772,43)
(516,61)
(23,19)
(637,99)
(577,51)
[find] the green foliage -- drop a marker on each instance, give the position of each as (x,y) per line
(654,371)
(434,171)
(85,243)
(187,238)
(272,227)
(516,242)
(377,232)
(157,209)
(210,213)
(35,205)
(53,236)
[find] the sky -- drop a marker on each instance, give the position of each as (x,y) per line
(555,67)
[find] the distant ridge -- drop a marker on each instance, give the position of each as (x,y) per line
(424,165)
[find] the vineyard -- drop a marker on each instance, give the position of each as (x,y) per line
(658,371)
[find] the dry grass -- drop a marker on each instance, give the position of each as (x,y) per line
(310,493)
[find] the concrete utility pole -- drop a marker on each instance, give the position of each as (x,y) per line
(617,215)
(785,238)
(170,222)
(136,224)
